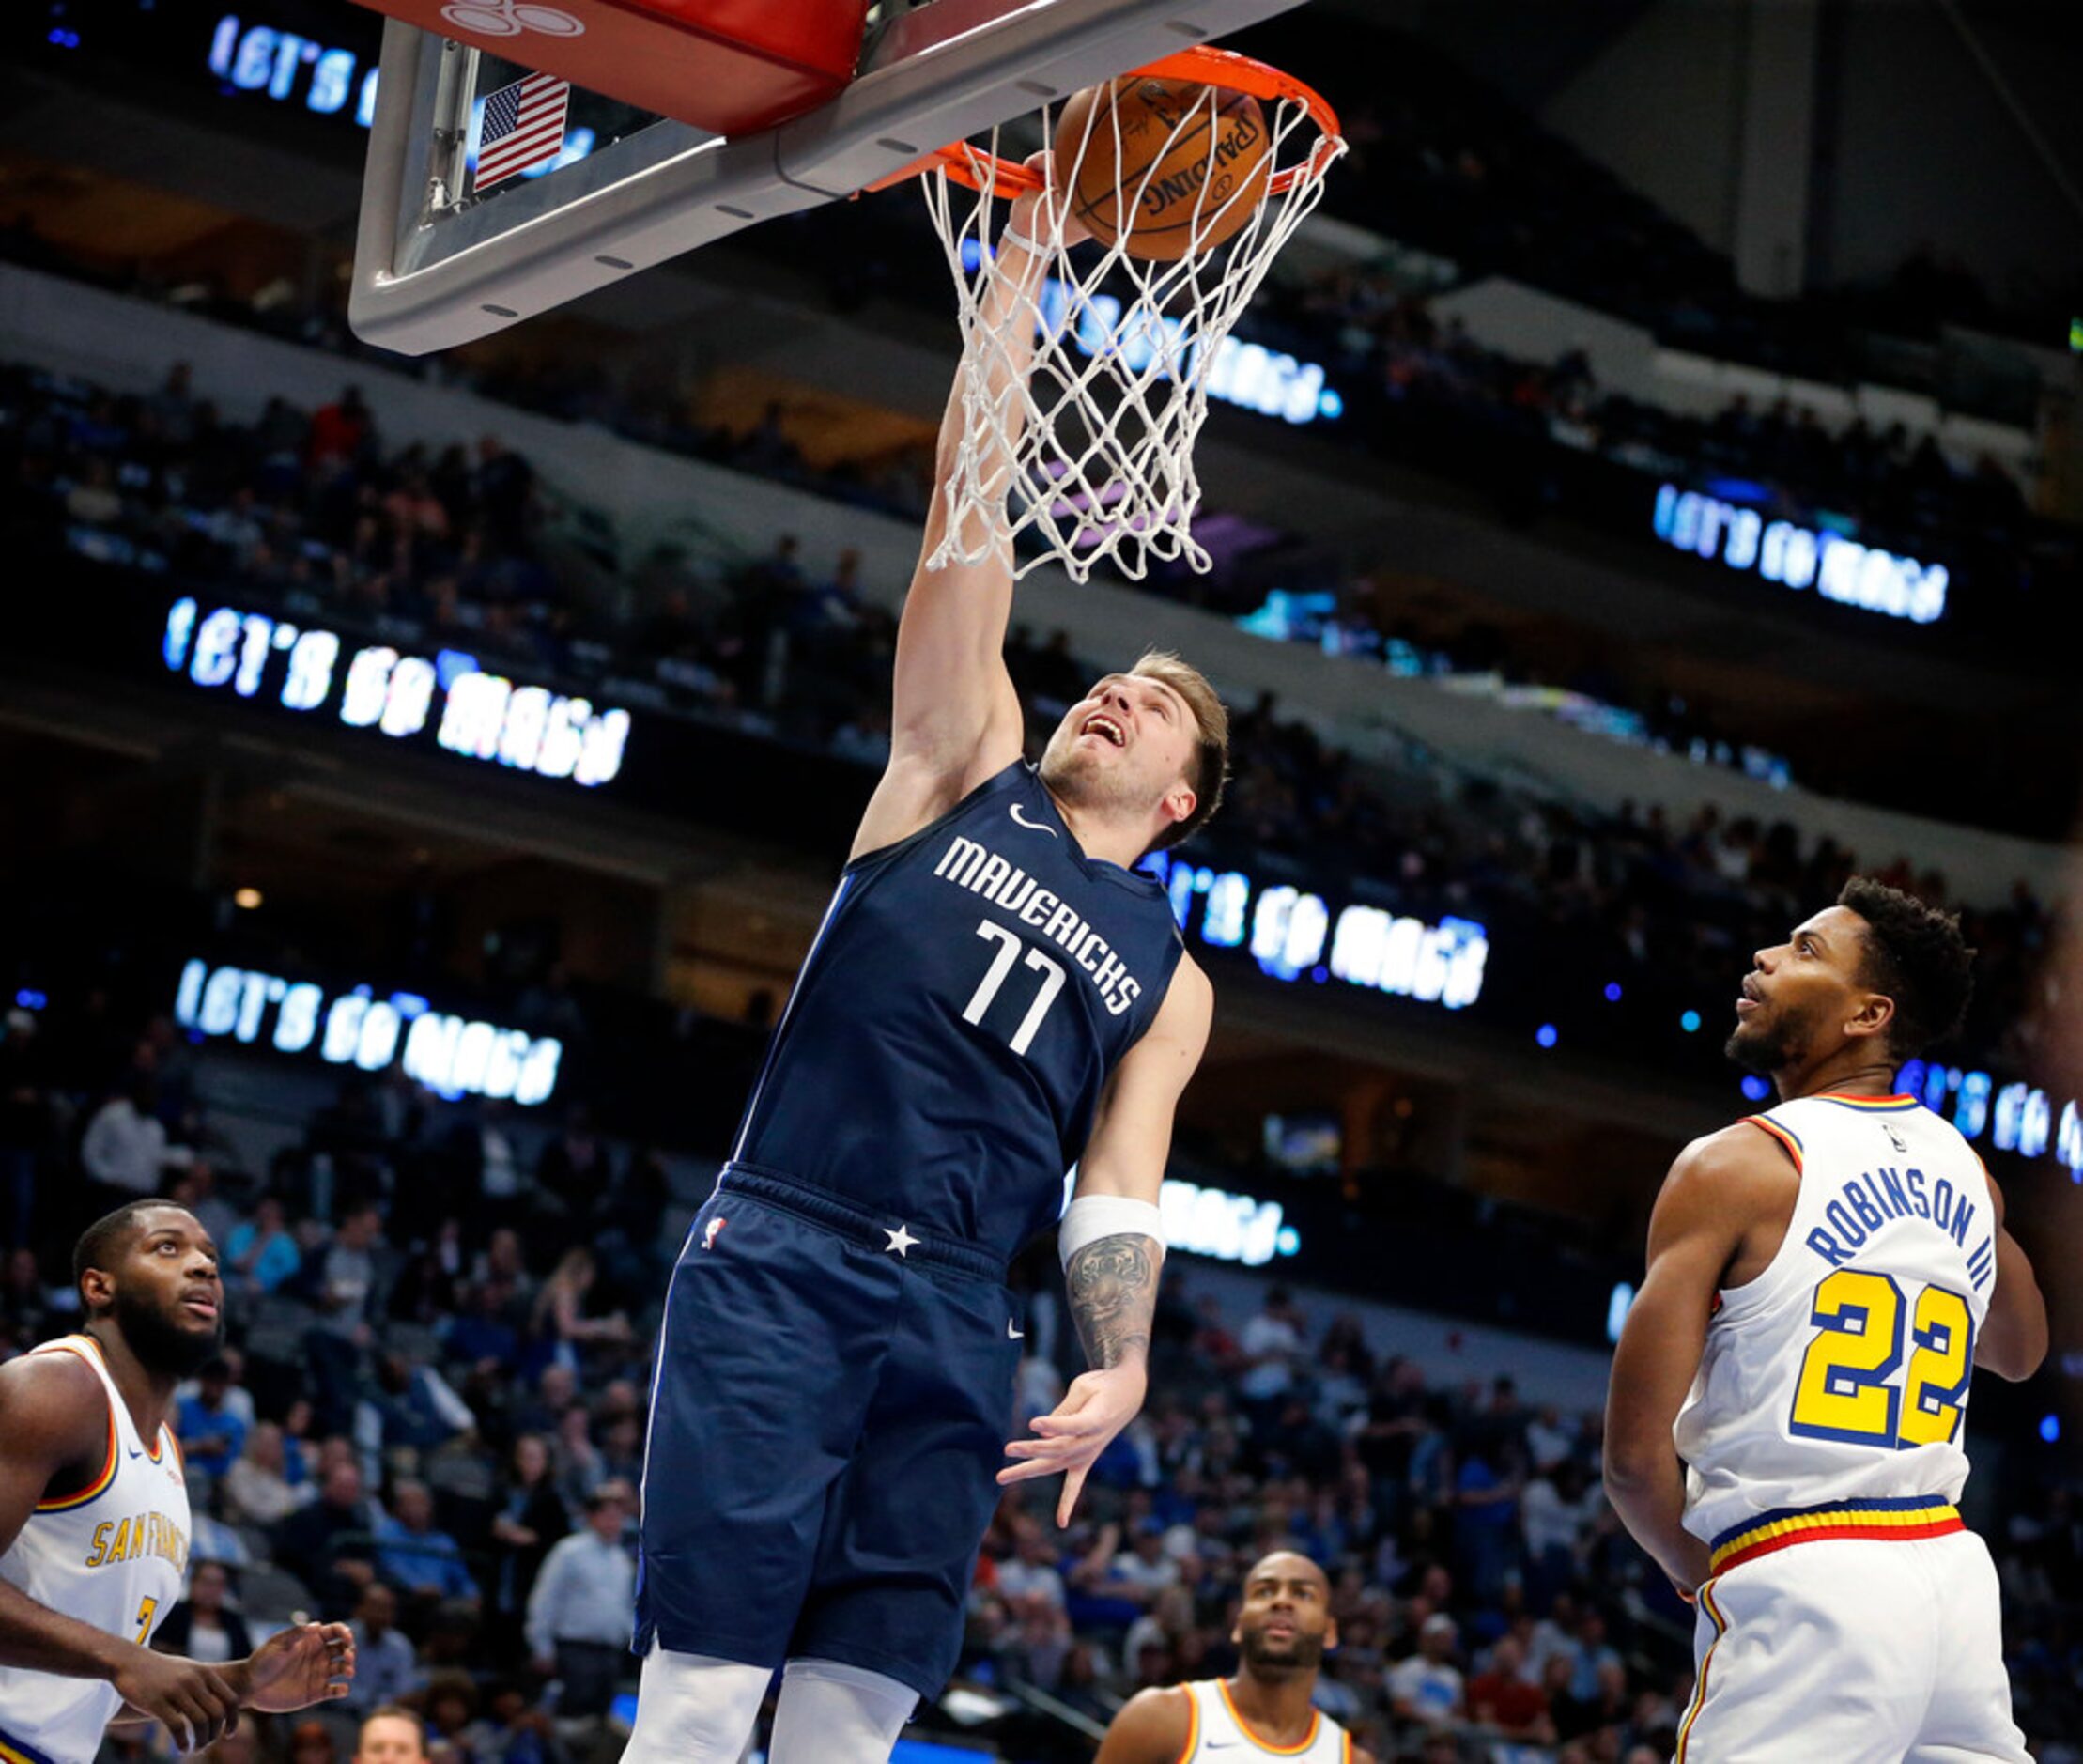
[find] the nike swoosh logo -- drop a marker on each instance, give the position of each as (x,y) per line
(137,1454)
(1013,1335)
(1032,826)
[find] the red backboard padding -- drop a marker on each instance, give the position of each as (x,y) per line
(729,66)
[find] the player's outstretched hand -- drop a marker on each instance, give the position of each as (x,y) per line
(305,1663)
(196,1704)
(1097,1406)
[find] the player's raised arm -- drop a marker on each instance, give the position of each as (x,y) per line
(954,716)
(2013,1338)
(1707,1202)
(1112,1244)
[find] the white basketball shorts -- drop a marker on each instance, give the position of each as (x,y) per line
(1850,1650)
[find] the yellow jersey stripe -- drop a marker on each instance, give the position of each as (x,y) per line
(1928,1519)
(1700,1690)
(72,1344)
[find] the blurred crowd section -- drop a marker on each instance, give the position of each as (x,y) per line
(312,514)
(428,1419)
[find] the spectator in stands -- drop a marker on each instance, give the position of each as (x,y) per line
(578,1613)
(1426,1687)
(126,1150)
(1271,1345)
(424,1562)
(330,1543)
(573,1171)
(28,1308)
(391,1735)
(340,432)
(349,1294)
(1501,1698)
(255,1489)
(386,1668)
(563,1330)
(529,1522)
(310,1743)
(260,1254)
(204,1626)
(212,1432)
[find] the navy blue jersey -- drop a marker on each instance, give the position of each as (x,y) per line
(947,1042)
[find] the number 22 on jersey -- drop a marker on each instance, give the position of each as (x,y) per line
(1852,1387)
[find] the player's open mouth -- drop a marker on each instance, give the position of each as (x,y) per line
(1744,1006)
(202,1307)
(1106,728)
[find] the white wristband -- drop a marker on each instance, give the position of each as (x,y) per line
(1007,237)
(1091,1218)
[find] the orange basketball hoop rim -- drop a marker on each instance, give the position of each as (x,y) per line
(991,174)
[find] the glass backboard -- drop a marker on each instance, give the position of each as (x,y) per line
(455,243)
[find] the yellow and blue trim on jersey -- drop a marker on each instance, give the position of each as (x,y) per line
(77,1346)
(1871,1105)
(1899,1519)
(1244,1728)
(1193,1728)
(1789,1140)
(1713,1609)
(13,1751)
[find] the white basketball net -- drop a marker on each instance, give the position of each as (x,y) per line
(1101,466)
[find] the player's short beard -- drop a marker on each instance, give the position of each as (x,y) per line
(1304,1654)
(1078,777)
(1770,1046)
(159,1345)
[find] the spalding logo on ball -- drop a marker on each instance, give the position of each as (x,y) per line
(1192,160)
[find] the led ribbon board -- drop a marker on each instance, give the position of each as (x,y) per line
(2017,1117)
(453,1056)
(470,712)
(1292,932)
(1837,568)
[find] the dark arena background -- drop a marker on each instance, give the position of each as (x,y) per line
(1648,490)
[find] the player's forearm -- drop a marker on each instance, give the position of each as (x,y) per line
(33,1636)
(1647,1491)
(1112,1291)
(2013,1338)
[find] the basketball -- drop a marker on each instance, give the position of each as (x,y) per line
(1192,161)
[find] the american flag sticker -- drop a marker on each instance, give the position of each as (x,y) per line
(523,128)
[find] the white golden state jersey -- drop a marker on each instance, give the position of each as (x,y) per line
(1219,1735)
(1831,1399)
(114,1554)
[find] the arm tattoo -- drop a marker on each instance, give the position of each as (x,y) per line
(1113,1285)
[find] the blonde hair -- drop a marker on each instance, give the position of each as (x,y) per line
(1209,769)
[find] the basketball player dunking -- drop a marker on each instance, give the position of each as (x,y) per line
(1284,1629)
(994,995)
(1783,1432)
(94,1513)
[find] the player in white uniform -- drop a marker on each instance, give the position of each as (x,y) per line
(1284,1628)
(94,1521)
(1783,1432)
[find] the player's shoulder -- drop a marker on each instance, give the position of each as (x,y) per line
(1191,985)
(1154,1724)
(1726,1166)
(1739,1147)
(50,1400)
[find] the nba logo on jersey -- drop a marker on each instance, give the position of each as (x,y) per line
(709,1232)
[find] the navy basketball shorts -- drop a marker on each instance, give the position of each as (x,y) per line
(830,1410)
